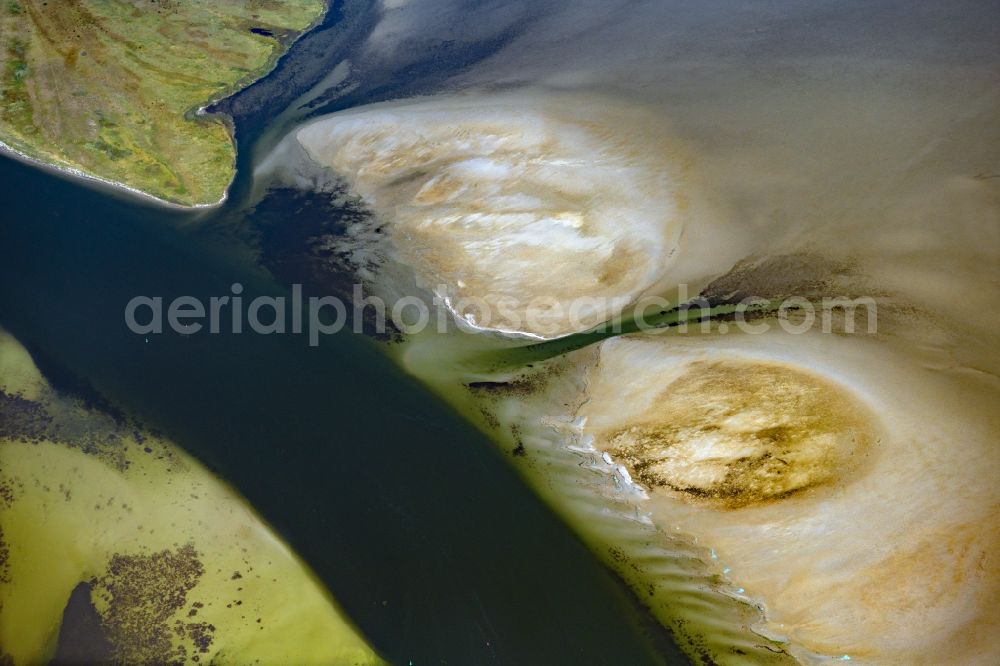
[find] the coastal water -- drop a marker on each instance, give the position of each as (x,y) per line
(418,527)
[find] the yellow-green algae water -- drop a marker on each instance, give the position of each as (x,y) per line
(179,567)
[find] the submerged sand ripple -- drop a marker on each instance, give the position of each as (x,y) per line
(538,216)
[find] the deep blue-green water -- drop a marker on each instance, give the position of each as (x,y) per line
(428,540)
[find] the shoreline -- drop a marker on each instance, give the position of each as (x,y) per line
(200,111)
(73,172)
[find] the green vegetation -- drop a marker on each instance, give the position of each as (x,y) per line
(110,87)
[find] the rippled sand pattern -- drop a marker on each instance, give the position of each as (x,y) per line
(527,216)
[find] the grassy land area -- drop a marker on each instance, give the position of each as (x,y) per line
(110,87)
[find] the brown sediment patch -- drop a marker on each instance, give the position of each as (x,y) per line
(519,450)
(328,245)
(806,275)
(4,562)
(7,496)
(932,572)
(493,393)
(741,433)
(7,492)
(504,388)
(68,421)
(71,412)
(22,419)
(489,418)
(532,379)
(81,638)
(139,596)
(944,581)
